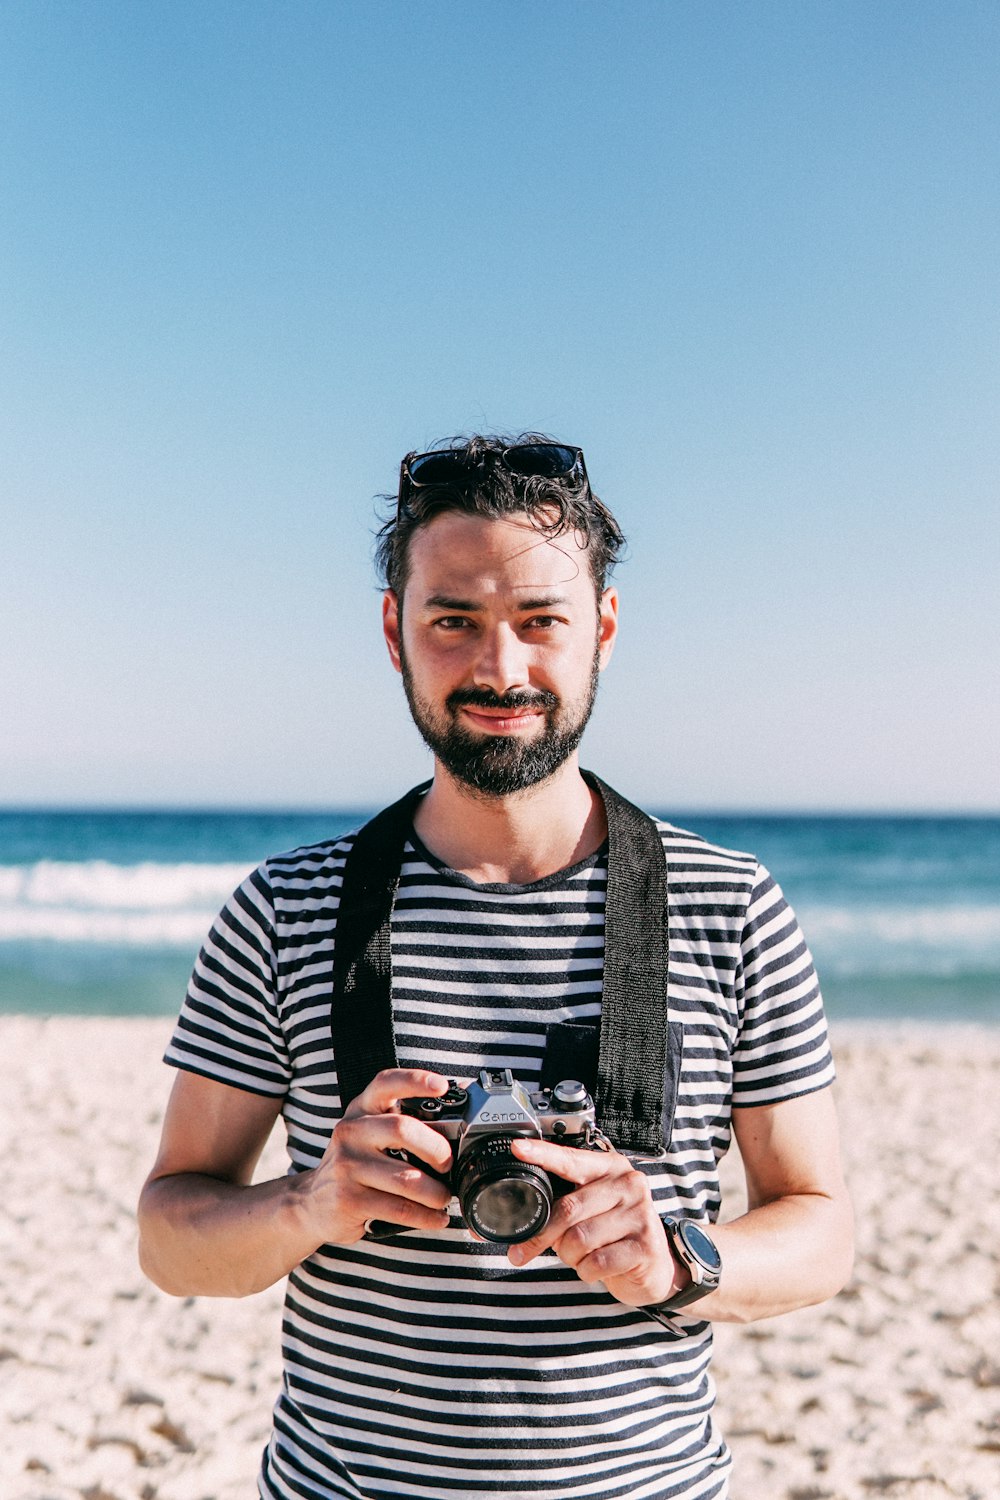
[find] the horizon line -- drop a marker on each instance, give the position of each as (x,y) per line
(223,809)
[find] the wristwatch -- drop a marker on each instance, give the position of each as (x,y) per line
(693,1248)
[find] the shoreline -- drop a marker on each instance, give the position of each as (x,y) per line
(109,1390)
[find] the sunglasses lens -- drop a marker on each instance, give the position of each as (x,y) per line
(546,460)
(436,468)
(534,460)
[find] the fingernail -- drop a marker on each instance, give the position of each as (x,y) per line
(517,1255)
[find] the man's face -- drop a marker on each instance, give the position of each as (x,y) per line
(500,645)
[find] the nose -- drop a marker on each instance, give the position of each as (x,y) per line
(502,661)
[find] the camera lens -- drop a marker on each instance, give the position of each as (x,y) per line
(501,1198)
(509,1210)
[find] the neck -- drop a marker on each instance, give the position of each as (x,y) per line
(517,839)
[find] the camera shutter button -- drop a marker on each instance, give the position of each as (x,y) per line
(570,1094)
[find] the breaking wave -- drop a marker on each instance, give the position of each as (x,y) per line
(937,939)
(159,905)
(145,905)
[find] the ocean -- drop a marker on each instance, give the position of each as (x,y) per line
(102,913)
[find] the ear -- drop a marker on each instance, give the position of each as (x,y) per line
(607,625)
(391,625)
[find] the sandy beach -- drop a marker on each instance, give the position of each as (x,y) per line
(110,1390)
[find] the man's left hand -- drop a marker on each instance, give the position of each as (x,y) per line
(607,1228)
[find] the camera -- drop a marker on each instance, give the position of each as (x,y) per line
(501,1198)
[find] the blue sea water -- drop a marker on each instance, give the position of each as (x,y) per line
(102,913)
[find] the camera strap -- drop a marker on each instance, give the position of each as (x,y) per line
(632,1067)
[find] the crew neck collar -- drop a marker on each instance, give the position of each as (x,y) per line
(512,888)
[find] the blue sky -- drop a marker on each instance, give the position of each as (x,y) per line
(744,254)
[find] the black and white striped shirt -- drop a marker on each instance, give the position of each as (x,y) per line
(426,1365)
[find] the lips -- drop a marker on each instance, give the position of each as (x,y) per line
(499,714)
(502,720)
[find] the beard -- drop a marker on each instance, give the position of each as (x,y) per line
(497,765)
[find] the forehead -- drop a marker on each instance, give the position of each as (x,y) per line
(461,556)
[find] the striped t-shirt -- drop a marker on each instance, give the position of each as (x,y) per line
(426,1365)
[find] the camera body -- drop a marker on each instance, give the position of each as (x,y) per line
(500,1197)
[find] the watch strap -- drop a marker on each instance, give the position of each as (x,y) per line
(683,1298)
(695,1290)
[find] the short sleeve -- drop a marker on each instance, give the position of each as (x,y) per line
(782,1048)
(229,1028)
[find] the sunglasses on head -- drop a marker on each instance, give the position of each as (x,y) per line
(444,466)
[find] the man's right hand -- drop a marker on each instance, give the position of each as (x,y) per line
(357,1181)
(206,1229)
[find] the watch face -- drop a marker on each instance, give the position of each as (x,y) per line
(701,1246)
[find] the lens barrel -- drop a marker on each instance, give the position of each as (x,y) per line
(501,1198)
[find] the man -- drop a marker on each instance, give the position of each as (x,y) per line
(431,1362)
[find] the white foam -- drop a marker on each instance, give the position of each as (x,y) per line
(938,939)
(914,924)
(143,905)
(172,905)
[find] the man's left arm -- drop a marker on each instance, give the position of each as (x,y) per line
(792,1248)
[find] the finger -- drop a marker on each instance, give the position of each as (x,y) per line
(586,1206)
(632,1266)
(619,1258)
(371,1136)
(612,1247)
(390,1207)
(384,1174)
(621,1189)
(569,1162)
(392,1084)
(620,1231)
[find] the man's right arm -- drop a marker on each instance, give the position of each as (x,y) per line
(206,1230)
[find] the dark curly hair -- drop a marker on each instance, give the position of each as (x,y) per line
(553,505)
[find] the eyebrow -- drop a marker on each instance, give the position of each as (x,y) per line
(470,607)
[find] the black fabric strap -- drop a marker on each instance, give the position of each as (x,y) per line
(361,1017)
(631,1067)
(637,1052)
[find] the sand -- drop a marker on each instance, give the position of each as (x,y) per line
(110,1390)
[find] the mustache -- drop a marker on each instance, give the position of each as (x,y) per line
(487,698)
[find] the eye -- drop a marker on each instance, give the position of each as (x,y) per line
(452,622)
(540,622)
